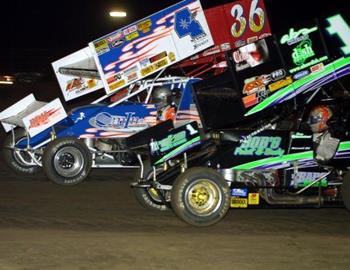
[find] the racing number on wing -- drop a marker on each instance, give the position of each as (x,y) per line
(239,27)
(338,26)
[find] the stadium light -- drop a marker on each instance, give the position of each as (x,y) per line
(118,14)
(7,80)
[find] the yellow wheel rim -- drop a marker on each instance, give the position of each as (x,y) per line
(203,197)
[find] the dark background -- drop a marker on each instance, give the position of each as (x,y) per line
(35,33)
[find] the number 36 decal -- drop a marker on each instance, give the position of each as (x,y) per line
(256,19)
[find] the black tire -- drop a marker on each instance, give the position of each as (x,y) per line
(11,157)
(345,191)
(210,199)
(148,197)
(67,161)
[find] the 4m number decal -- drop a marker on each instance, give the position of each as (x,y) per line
(256,19)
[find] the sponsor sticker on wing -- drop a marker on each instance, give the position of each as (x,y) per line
(45,117)
(280,84)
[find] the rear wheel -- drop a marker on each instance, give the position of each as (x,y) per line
(15,159)
(200,196)
(67,161)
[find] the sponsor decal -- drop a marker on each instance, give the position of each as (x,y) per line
(172,57)
(132,77)
(131,73)
(250,101)
(144,62)
(313,62)
(301,136)
(260,146)
(116,36)
(43,118)
(240,43)
(251,55)
(317,68)
(144,26)
(147,70)
(225,47)
(101,47)
(239,202)
(116,85)
(211,51)
(114,78)
(296,36)
(278,75)
(255,84)
(303,52)
(262,95)
(78,85)
(252,39)
(254,199)
(80,117)
(74,84)
(154,67)
(280,84)
(302,179)
(117,43)
(130,30)
(158,57)
(131,70)
(187,25)
(301,75)
(107,121)
(169,142)
(264,35)
(132,36)
(239,192)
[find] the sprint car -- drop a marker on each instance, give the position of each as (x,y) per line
(276,131)
(180,37)
(91,136)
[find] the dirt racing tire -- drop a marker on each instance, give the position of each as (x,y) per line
(200,196)
(67,161)
(148,197)
(12,158)
(345,191)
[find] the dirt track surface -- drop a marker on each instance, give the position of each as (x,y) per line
(99,225)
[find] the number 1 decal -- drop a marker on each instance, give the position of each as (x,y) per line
(338,26)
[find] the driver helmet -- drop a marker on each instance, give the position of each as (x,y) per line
(161,96)
(318,118)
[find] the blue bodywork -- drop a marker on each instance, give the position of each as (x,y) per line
(102,121)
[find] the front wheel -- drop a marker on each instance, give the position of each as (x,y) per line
(18,161)
(67,161)
(149,197)
(200,196)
